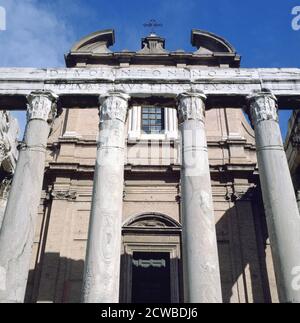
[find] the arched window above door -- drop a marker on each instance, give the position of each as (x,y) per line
(152,222)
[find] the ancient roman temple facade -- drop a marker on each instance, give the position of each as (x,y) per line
(151,176)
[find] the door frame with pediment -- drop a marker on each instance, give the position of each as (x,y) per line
(151,232)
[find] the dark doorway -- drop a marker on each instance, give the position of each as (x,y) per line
(151,277)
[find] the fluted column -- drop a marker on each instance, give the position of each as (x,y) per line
(200,254)
(102,268)
(278,194)
(17,231)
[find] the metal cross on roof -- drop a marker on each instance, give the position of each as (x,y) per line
(152,24)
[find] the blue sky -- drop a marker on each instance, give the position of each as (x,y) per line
(39,32)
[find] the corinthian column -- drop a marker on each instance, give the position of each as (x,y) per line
(200,254)
(17,231)
(102,267)
(278,194)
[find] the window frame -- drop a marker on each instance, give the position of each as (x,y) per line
(163,122)
(134,124)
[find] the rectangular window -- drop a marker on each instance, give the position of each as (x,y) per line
(153,120)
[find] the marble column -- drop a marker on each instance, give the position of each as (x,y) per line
(4,192)
(102,266)
(200,254)
(17,231)
(278,195)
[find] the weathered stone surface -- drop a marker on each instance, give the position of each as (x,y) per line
(140,81)
(292,147)
(278,194)
(4,191)
(17,231)
(102,268)
(151,176)
(9,131)
(147,189)
(200,254)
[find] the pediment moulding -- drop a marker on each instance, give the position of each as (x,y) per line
(94,49)
(95,43)
(151,221)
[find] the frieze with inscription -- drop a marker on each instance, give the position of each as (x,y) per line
(144,81)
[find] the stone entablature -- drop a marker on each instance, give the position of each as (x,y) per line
(144,82)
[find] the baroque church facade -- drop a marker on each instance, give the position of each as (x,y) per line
(174,210)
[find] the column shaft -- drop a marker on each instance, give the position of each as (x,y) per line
(278,194)
(17,231)
(102,268)
(200,254)
(5,189)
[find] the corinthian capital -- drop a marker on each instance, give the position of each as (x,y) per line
(191,106)
(262,106)
(113,105)
(42,106)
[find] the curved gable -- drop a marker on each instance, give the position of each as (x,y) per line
(151,221)
(210,42)
(96,43)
